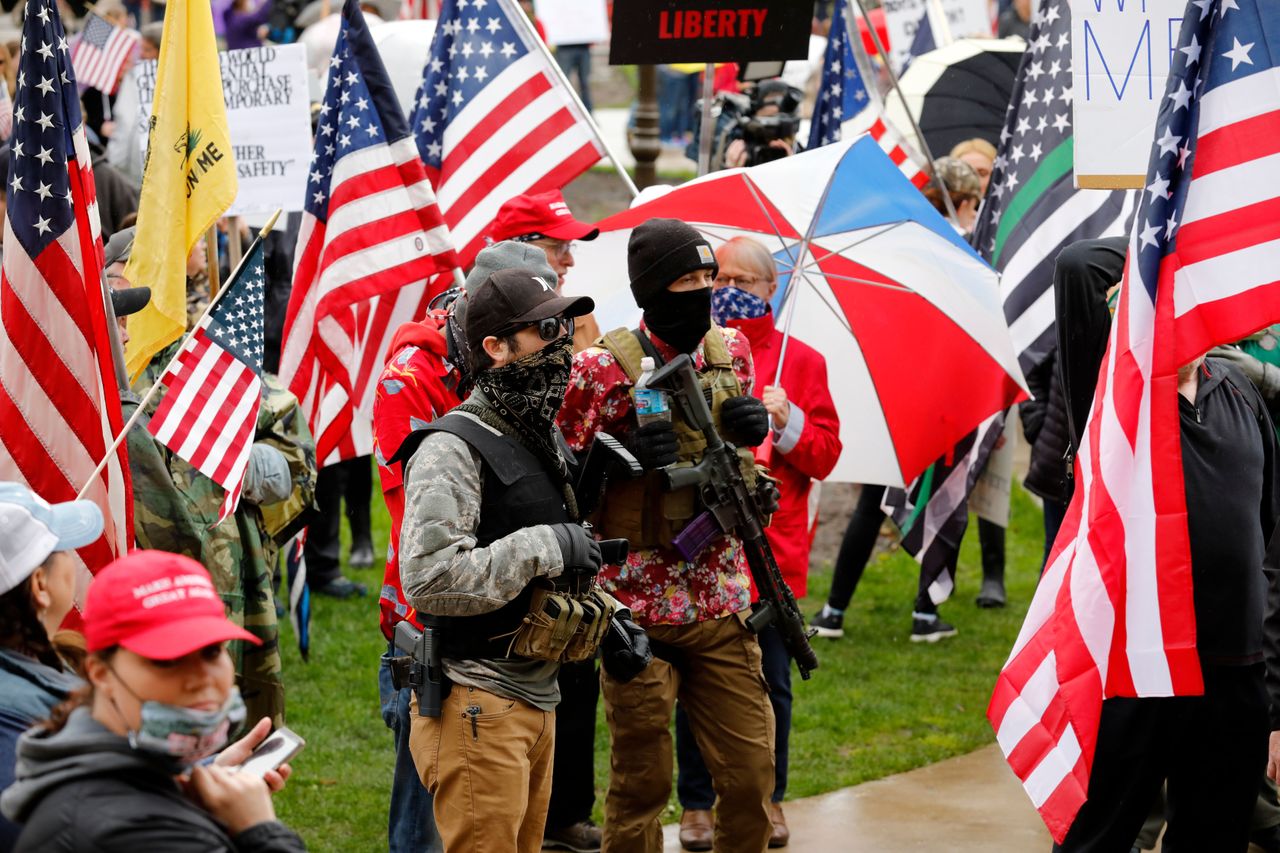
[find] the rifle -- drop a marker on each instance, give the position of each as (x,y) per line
(605,458)
(732,508)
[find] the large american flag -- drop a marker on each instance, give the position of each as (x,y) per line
(101,51)
(844,104)
(213,387)
(1113,614)
(492,118)
(59,402)
(371,240)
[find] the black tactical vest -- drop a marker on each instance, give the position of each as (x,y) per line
(516,491)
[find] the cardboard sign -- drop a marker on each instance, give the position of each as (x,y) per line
(966,18)
(1120,58)
(648,32)
(269,120)
(573,21)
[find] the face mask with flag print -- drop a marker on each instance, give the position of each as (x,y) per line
(731,303)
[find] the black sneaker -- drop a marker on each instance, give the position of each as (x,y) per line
(829,626)
(992,594)
(342,587)
(361,556)
(930,630)
(581,837)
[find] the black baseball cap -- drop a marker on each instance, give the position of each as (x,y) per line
(129,300)
(511,299)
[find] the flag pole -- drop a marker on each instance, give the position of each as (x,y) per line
(906,108)
(154,389)
(532,35)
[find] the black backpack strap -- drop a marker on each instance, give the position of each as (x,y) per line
(648,347)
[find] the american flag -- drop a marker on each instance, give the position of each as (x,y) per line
(371,240)
(213,386)
(492,118)
(1031,212)
(101,51)
(844,105)
(412,10)
(59,402)
(1113,614)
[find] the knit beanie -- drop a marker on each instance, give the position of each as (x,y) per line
(662,250)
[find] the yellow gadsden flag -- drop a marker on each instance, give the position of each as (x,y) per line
(188,181)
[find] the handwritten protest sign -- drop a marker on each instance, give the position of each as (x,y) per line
(1121,51)
(965,17)
(269,119)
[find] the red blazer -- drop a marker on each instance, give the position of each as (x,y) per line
(806,451)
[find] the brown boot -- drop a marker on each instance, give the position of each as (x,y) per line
(781,835)
(697,826)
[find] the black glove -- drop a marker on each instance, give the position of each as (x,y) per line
(625,650)
(745,420)
(654,445)
(580,552)
(768,497)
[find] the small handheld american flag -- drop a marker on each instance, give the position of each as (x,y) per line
(210,408)
(100,53)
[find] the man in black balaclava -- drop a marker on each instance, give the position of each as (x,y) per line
(693,608)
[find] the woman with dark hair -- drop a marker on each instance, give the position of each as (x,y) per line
(132,761)
(37,586)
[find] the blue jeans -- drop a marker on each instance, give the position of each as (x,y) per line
(411,827)
(577,58)
(693,780)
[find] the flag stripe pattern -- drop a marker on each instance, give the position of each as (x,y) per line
(209,412)
(101,51)
(59,403)
(1114,614)
(371,242)
(492,119)
(845,106)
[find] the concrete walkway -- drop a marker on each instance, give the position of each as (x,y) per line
(970,803)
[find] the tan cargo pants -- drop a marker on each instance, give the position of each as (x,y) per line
(489,770)
(717,677)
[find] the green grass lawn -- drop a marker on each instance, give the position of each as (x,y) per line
(878,705)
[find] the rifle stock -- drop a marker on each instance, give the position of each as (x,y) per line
(733,508)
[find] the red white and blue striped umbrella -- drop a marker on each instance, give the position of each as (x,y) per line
(906,314)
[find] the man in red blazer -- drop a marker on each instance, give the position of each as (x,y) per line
(803,446)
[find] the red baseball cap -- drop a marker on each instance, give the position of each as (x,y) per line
(545,214)
(158,605)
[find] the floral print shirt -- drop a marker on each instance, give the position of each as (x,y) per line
(658,585)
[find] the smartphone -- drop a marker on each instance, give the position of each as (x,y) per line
(279,747)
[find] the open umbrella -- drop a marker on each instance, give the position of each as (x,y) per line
(960,91)
(907,316)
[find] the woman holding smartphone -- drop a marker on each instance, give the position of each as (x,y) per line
(129,763)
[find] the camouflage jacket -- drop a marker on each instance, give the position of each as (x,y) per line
(175,506)
(444,573)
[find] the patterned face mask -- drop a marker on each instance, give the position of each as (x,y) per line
(528,393)
(731,303)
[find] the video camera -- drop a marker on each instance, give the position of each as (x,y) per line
(773,116)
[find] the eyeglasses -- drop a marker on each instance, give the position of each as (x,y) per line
(739,281)
(548,329)
(558,248)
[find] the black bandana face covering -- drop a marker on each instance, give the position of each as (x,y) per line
(680,318)
(528,393)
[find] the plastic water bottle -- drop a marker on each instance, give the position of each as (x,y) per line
(652,404)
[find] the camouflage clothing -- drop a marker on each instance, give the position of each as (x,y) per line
(174,506)
(444,573)
(197,297)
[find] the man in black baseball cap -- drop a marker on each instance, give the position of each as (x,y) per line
(516,314)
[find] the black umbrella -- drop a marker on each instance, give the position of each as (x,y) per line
(962,91)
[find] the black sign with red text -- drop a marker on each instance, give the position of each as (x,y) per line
(648,32)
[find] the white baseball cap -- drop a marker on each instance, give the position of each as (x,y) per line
(31,529)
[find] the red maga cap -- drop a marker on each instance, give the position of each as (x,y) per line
(158,605)
(542,213)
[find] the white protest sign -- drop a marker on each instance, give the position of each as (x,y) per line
(1121,51)
(573,21)
(901,17)
(269,119)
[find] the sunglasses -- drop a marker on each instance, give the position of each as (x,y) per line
(548,329)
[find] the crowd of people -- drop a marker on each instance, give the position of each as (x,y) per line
(534,582)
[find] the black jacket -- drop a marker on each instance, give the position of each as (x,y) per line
(1044,421)
(85,789)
